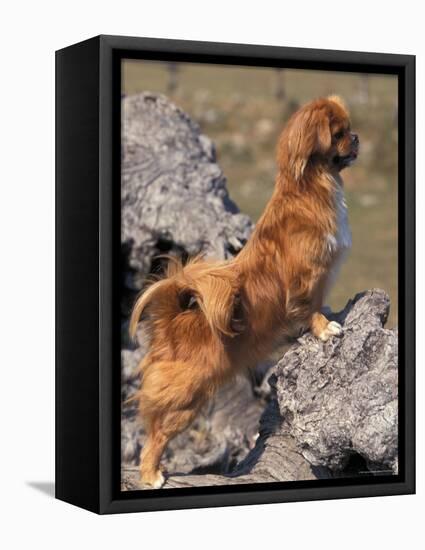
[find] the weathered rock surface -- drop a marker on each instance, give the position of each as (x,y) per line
(169,167)
(335,407)
(339,399)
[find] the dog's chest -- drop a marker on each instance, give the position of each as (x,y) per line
(340,242)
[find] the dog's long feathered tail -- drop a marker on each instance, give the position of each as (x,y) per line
(206,288)
(141,303)
(174,266)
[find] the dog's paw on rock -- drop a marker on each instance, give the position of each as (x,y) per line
(332,329)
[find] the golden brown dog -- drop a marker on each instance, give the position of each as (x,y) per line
(208,320)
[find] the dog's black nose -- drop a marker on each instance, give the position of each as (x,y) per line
(355,139)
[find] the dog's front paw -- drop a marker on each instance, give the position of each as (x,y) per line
(332,329)
(152,481)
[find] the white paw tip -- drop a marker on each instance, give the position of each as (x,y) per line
(332,329)
(156,483)
(159,481)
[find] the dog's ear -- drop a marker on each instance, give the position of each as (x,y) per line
(221,304)
(308,132)
(323,129)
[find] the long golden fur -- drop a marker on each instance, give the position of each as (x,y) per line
(209,320)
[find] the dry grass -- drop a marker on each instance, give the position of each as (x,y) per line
(240,110)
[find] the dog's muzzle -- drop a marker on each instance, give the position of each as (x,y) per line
(346,160)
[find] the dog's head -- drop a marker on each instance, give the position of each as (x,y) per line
(194,302)
(318,134)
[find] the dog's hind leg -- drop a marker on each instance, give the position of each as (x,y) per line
(160,433)
(150,457)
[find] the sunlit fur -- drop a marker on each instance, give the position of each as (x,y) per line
(209,320)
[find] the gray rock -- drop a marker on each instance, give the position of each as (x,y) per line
(169,168)
(339,399)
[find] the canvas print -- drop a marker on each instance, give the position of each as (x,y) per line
(259,238)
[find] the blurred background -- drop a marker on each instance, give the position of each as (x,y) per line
(243,110)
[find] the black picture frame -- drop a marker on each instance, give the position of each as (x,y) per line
(88,91)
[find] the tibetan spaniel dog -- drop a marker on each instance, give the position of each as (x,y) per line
(209,320)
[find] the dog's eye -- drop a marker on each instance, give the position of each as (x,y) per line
(339,134)
(187,300)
